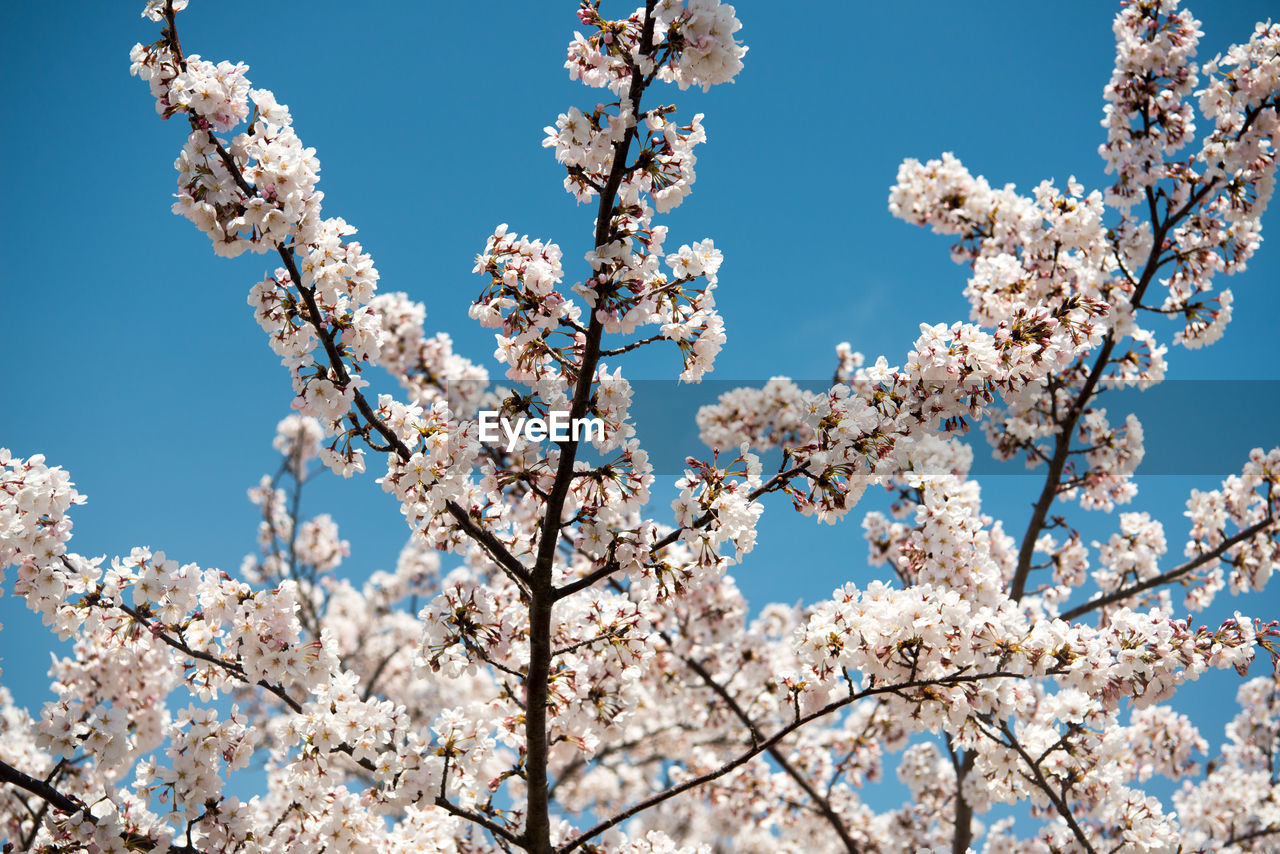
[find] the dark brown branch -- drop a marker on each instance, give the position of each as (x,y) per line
(620,632)
(1252,835)
(70,806)
(774,483)
(1062,440)
(579,763)
(542,595)
(475,818)
(820,803)
(1067,427)
(39,788)
(1038,778)
(496,550)
(1171,575)
(963,833)
(377,672)
(618,351)
(757,749)
(234,668)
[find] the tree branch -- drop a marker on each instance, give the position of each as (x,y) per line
(1171,575)
(475,818)
(821,804)
(485,538)
(762,746)
(962,834)
(1067,427)
(542,594)
(70,806)
(1037,777)
(774,483)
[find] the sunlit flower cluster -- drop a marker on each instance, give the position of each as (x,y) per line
(559,659)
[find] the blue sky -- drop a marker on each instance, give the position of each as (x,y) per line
(132,360)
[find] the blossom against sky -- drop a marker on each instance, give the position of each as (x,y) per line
(133,361)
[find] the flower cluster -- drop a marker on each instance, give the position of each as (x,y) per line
(583,677)
(33,512)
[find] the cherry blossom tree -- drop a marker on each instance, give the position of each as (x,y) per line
(559,662)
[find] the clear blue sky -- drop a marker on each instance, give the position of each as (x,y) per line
(132,360)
